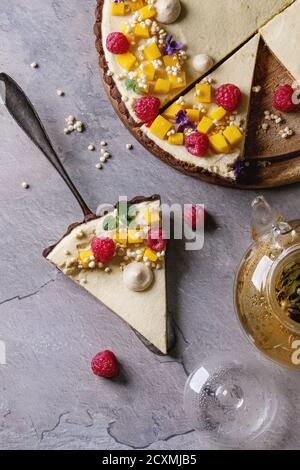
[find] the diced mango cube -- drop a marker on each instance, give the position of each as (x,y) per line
(193,114)
(85,257)
(127,61)
(131,38)
(148,70)
(135,236)
(121,237)
(136,4)
(160,127)
(125,29)
(219,143)
(177,81)
(172,111)
(146,12)
(152,52)
(141,31)
(170,60)
(233,135)
(218,114)
(205,125)
(151,255)
(151,216)
(176,139)
(204,93)
(162,86)
(118,9)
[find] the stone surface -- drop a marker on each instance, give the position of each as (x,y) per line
(48,396)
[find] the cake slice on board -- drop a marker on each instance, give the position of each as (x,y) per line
(267,136)
(282,36)
(120,260)
(215,113)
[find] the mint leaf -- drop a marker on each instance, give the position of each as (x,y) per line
(110,223)
(132,85)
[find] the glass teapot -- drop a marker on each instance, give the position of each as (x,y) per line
(267,286)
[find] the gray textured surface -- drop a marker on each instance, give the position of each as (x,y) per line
(48,395)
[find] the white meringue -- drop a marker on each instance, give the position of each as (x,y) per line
(168,11)
(202,63)
(137,277)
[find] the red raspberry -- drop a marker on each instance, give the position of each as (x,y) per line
(147,108)
(194,216)
(229,97)
(117,43)
(283,99)
(105,364)
(156,240)
(197,144)
(103,249)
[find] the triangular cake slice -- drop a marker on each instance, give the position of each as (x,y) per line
(211,29)
(274,134)
(225,130)
(282,35)
(132,283)
(266,125)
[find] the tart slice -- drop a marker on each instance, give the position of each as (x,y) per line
(282,35)
(203,132)
(119,258)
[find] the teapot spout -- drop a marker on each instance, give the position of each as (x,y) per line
(264,217)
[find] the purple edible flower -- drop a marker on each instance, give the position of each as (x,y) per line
(237,167)
(184,122)
(171,45)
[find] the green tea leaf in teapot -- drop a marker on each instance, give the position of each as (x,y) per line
(292,289)
(288,290)
(294,274)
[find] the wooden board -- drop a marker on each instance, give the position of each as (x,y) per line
(272,161)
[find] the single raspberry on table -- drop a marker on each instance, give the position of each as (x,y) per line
(117,43)
(103,249)
(194,216)
(105,364)
(156,239)
(197,143)
(147,108)
(229,97)
(283,99)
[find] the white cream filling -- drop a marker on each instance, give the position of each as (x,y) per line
(282,35)
(202,63)
(137,277)
(168,11)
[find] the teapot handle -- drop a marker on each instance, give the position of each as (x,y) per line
(264,217)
